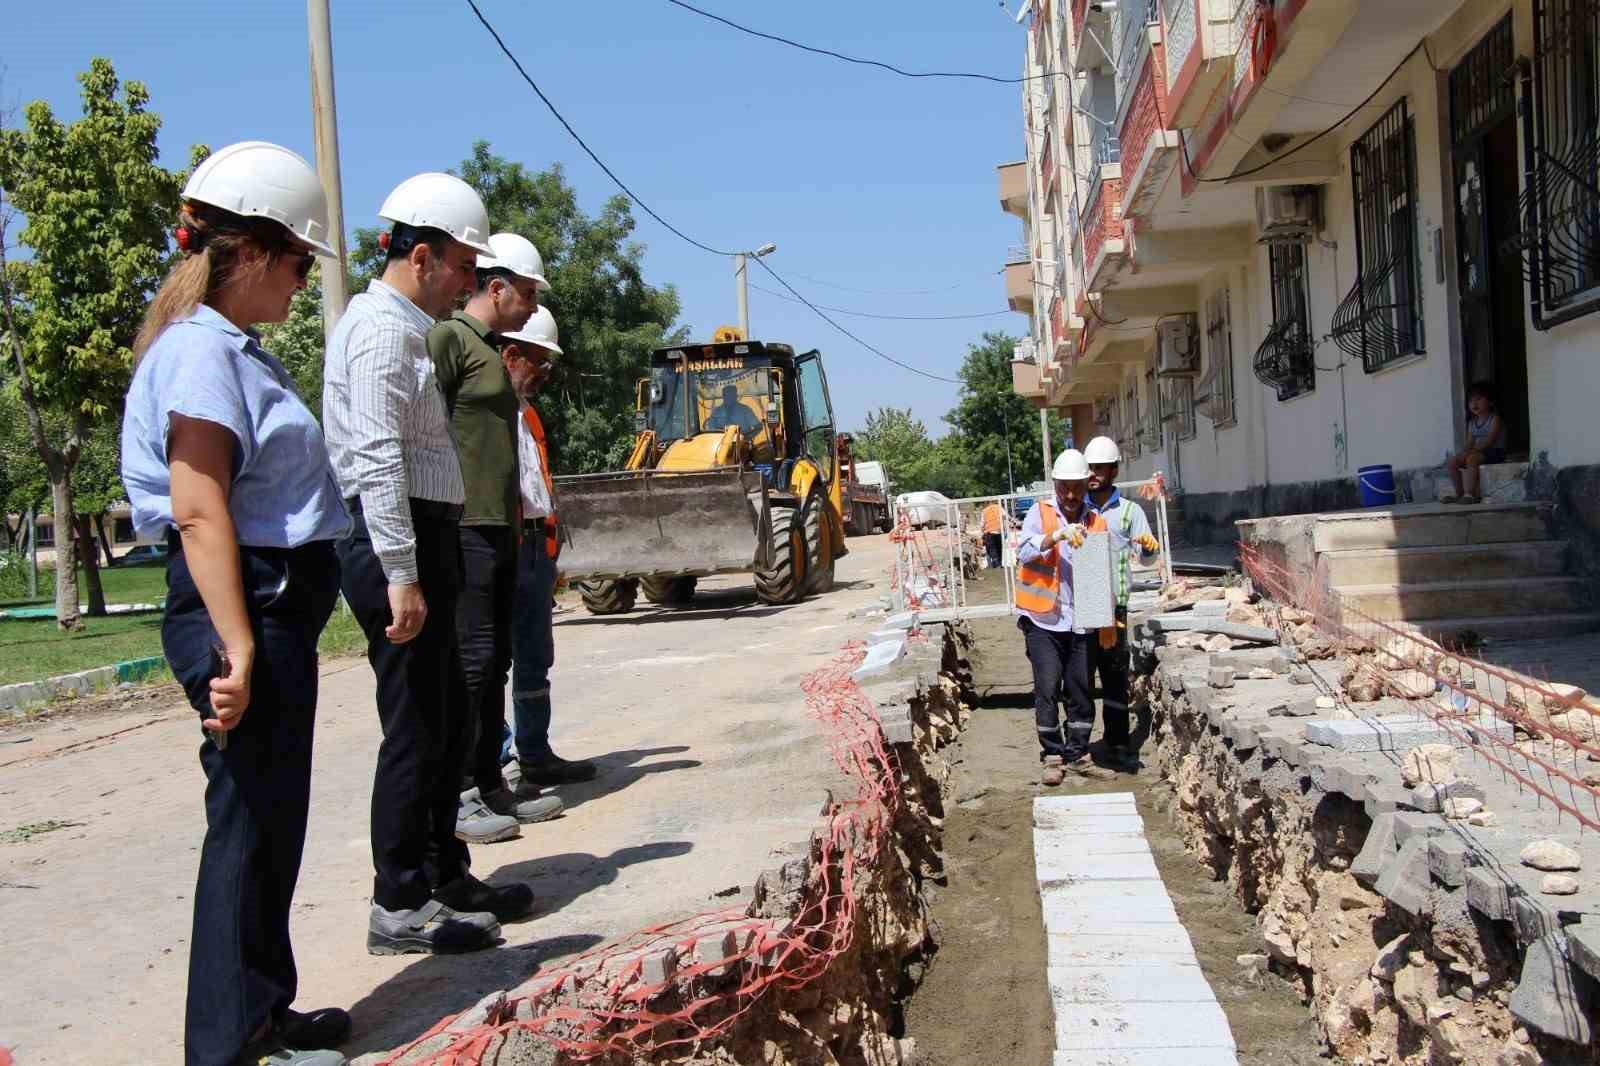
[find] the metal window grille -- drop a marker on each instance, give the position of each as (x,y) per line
(1177,407)
(1131,442)
(1155,411)
(1284,359)
(1482,89)
(1560,238)
(1219,349)
(1381,318)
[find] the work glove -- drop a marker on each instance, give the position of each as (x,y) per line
(1148,543)
(1072,534)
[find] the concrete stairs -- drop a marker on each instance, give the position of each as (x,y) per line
(1498,483)
(1492,568)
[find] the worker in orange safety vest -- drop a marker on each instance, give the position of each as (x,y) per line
(1058,649)
(994,524)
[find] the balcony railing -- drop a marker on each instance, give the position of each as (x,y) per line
(1134,34)
(1104,222)
(1245,13)
(1144,117)
(1046,162)
(1106,146)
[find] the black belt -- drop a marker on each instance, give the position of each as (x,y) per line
(429,510)
(533,525)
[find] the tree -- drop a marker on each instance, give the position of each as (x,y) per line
(989,416)
(298,341)
(97,207)
(899,440)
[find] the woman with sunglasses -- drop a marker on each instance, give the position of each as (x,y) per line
(222,458)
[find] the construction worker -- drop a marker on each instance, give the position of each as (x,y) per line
(730,412)
(527,354)
(1130,531)
(389,434)
(994,523)
(1057,647)
(222,459)
(483,422)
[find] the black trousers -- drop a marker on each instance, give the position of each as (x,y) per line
(991,546)
(416,789)
(1111,666)
(483,624)
(258,791)
(1060,671)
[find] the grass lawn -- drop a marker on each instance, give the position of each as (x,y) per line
(132,584)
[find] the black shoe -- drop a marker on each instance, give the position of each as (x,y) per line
(552,769)
(505,902)
(1121,757)
(325,1028)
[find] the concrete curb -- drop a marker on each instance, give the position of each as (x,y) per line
(15,698)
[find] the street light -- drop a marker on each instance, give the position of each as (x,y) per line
(741,283)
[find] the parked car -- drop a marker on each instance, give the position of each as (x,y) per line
(924,508)
(143,555)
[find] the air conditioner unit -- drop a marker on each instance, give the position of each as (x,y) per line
(1288,213)
(1178,345)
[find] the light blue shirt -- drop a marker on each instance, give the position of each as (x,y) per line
(284,493)
(1031,547)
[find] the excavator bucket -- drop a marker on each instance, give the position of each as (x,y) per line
(644,523)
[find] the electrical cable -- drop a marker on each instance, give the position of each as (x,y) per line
(890,67)
(892,318)
(892,292)
(669,226)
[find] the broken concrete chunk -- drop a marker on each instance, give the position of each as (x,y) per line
(1220,677)
(1550,855)
(1460,808)
(1391,959)
(1175,623)
(1483,819)
(1548,998)
(1261,673)
(1326,703)
(1376,852)
(1429,764)
(1299,676)
(1411,684)
(1559,885)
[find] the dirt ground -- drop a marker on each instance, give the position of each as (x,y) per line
(711,772)
(985,987)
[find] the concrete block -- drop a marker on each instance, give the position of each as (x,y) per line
(1090,802)
(1490,893)
(1220,677)
(1395,732)
(1094,598)
(1303,709)
(1078,865)
(1100,949)
(716,950)
(1050,845)
(1383,798)
(1243,734)
(1113,821)
(1533,918)
(897,729)
(1136,983)
(1192,623)
(1405,882)
(880,657)
(1211,608)
(1103,1027)
(1190,1056)
(1549,997)
(1354,778)
(1377,852)
(1583,948)
(1449,857)
(1142,901)
(1415,824)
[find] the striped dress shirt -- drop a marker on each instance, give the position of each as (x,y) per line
(385,421)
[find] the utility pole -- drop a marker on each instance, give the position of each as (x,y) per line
(1005,427)
(324,117)
(1044,435)
(741,283)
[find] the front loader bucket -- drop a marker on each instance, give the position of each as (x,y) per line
(644,523)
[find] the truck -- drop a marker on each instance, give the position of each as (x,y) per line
(865,489)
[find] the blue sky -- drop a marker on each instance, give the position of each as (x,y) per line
(864,180)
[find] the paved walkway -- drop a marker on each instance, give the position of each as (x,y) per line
(1127,988)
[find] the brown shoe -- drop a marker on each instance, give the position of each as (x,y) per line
(1053,773)
(1084,766)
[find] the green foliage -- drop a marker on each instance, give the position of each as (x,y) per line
(298,341)
(899,440)
(989,416)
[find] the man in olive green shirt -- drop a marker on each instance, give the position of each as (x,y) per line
(484,409)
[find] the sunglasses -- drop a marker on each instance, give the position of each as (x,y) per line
(307,259)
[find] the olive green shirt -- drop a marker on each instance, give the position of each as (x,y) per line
(483,417)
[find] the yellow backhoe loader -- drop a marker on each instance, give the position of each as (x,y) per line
(735,469)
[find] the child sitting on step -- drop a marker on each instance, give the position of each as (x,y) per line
(1486,443)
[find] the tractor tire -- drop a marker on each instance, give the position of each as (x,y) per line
(609,597)
(785,582)
(668,591)
(820,551)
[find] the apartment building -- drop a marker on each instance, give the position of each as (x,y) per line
(1268,243)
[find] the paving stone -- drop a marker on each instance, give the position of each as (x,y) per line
(1134,983)
(1099,949)
(1377,852)
(1101,1027)
(1191,1056)
(1490,893)
(1384,798)
(1405,881)
(1052,845)
(1143,901)
(1548,997)
(1077,865)
(1583,948)
(1190,623)
(1394,732)
(1533,918)
(1449,858)
(1211,608)
(1415,824)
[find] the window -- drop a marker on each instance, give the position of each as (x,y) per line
(1284,360)
(1381,318)
(1216,388)
(1561,207)
(1155,410)
(818,412)
(1177,407)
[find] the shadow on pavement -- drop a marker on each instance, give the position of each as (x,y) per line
(619,770)
(559,879)
(413,1000)
(709,604)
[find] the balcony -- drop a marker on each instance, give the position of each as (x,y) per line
(1046,164)
(1026,380)
(1102,227)
(1019,286)
(1089,23)
(1136,29)
(1201,39)
(1014,188)
(1148,148)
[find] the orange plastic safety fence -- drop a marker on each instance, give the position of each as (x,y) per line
(919,575)
(711,969)
(1474,693)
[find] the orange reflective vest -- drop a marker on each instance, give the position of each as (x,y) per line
(552,534)
(1039,579)
(993,518)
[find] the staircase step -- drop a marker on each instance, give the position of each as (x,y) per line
(1483,599)
(1498,482)
(1428,525)
(1452,562)
(1514,627)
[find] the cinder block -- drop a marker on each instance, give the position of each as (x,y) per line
(1377,852)
(1395,732)
(1449,858)
(1405,881)
(1490,893)
(1548,997)
(1094,600)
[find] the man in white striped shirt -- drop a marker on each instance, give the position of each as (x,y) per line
(389,438)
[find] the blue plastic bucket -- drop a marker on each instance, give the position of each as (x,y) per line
(1376,484)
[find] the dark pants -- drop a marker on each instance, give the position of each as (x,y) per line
(533,647)
(416,790)
(258,790)
(1060,671)
(1111,666)
(991,545)
(483,623)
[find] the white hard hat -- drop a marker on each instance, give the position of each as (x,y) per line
(1070,466)
(1102,450)
(258,179)
(518,255)
(540,329)
(443,202)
